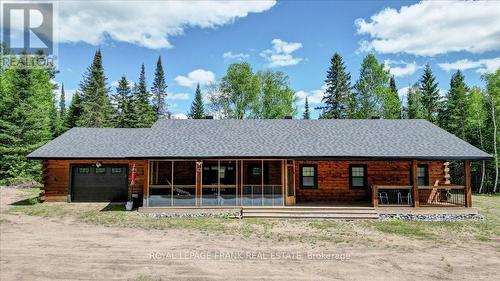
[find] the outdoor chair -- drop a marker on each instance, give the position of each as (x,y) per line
(406,198)
(383,196)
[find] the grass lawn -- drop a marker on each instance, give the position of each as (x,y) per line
(309,231)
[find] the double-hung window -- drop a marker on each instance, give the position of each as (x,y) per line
(358,176)
(308,176)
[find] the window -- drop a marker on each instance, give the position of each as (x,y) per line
(116,170)
(308,176)
(423,174)
(100,170)
(358,176)
(83,170)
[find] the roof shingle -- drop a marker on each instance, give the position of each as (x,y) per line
(409,139)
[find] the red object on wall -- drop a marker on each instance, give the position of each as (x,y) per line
(134,175)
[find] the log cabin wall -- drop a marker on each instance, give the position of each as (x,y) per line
(333,179)
(56,174)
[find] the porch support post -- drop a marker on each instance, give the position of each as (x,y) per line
(414,181)
(145,187)
(467,184)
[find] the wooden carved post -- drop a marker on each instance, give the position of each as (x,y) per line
(199,177)
(467,184)
(414,175)
(446,172)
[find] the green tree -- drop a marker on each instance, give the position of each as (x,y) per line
(146,114)
(307,114)
(159,91)
(97,110)
(338,90)
(392,103)
(476,121)
(371,89)
(453,117)
(125,113)
(75,111)
(26,112)
(431,101)
(275,97)
(62,111)
(197,107)
(415,109)
(493,117)
(236,94)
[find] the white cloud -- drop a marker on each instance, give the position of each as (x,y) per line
(281,53)
(313,97)
(403,92)
(400,68)
(201,76)
(481,66)
(177,96)
(433,27)
(179,116)
(238,56)
(146,23)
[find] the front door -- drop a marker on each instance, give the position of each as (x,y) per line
(290,183)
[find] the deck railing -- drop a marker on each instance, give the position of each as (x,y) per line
(402,195)
(446,195)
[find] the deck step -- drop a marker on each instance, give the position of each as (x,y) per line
(310,215)
(320,213)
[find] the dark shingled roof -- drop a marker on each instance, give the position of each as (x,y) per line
(387,139)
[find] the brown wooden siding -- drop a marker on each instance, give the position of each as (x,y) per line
(56,173)
(333,179)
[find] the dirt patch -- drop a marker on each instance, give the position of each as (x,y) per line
(47,248)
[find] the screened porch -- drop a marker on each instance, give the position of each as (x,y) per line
(215,183)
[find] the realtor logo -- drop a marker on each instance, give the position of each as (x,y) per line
(28,27)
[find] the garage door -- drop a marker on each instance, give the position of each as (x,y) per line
(103,184)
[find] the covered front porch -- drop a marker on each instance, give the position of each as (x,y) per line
(226,183)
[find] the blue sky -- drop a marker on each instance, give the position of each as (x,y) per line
(198,40)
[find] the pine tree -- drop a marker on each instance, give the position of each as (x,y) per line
(146,114)
(197,107)
(75,111)
(453,118)
(62,103)
(338,87)
(415,109)
(371,88)
(159,91)
(392,104)
(431,101)
(392,85)
(27,122)
(307,114)
(97,109)
(125,113)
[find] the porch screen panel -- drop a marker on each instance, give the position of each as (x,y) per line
(184,183)
(252,183)
(272,189)
(210,189)
(160,185)
(227,180)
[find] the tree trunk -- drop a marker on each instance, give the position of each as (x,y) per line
(483,168)
(494,142)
